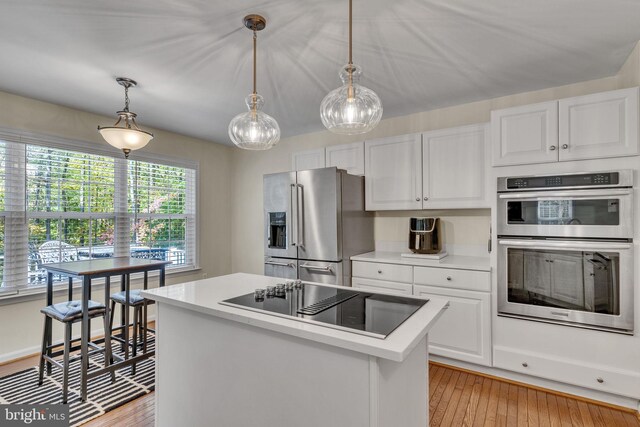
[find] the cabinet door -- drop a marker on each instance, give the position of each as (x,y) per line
(526,134)
(464,330)
(599,125)
(567,282)
(308,159)
(349,157)
(454,168)
(393,173)
(537,273)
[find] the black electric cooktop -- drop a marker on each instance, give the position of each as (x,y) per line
(350,309)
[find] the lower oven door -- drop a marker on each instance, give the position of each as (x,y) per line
(578,283)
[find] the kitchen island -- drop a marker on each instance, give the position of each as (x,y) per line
(228,366)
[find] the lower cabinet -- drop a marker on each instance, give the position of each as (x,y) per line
(598,377)
(464,330)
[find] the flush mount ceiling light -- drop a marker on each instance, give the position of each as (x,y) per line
(351,109)
(128,136)
(254,130)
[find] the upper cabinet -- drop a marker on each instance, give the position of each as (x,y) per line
(447,170)
(393,170)
(454,167)
(526,134)
(349,157)
(308,159)
(599,125)
(585,127)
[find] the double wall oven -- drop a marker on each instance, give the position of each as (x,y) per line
(565,249)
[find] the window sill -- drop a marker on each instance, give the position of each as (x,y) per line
(38,293)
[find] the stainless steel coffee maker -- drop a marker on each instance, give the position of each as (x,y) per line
(425,236)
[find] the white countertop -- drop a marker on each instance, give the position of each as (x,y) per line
(204,296)
(450,261)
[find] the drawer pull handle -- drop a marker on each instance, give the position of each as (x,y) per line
(449,278)
(525,365)
(600,380)
(379,271)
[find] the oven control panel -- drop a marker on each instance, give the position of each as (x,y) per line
(554,181)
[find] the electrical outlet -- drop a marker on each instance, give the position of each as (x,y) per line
(204,275)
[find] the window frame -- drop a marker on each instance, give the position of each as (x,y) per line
(120,210)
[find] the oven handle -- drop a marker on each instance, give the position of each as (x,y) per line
(572,245)
(573,194)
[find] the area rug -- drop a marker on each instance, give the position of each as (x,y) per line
(102,395)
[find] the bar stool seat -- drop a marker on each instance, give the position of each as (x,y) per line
(71,311)
(134,298)
(68,313)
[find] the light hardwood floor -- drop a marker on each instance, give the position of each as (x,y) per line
(456,398)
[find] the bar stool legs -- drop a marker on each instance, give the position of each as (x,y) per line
(65,363)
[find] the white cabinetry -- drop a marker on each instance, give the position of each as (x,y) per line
(464,330)
(393,171)
(381,277)
(349,157)
(599,125)
(308,159)
(526,134)
(446,171)
(585,127)
(455,167)
(608,379)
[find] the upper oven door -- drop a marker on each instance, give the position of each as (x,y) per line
(601,213)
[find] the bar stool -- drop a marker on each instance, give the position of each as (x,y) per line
(139,304)
(68,313)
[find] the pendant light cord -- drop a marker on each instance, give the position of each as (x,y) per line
(254,107)
(351,92)
(350,31)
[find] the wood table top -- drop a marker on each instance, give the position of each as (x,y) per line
(115,265)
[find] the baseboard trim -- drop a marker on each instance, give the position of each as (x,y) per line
(25,353)
(539,388)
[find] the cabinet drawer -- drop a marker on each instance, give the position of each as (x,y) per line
(452,278)
(379,271)
(381,286)
(595,377)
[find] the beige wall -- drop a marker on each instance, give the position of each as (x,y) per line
(248,167)
(21,323)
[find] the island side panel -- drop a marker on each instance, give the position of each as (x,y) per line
(214,371)
(400,391)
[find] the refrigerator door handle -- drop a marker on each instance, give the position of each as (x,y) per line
(294,215)
(316,267)
(281,264)
(300,214)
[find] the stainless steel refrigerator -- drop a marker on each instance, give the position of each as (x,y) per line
(314,222)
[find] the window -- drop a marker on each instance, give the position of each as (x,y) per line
(60,203)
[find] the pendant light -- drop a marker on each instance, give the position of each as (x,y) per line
(351,109)
(129,136)
(254,130)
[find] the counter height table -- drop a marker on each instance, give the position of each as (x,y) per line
(101,268)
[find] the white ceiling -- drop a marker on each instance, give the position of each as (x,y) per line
(192,58)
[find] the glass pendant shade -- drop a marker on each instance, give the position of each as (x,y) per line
(254,129)
(352,108)
(125,139)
